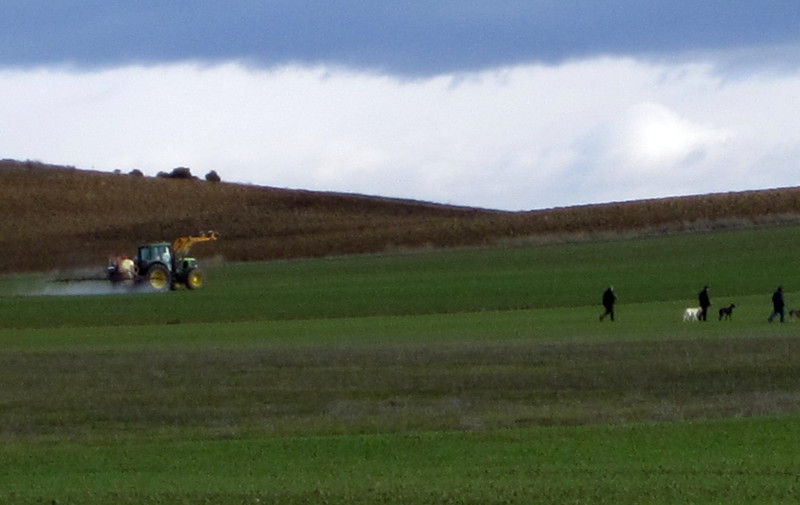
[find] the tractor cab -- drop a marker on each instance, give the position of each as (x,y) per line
(154,253)
(155,265)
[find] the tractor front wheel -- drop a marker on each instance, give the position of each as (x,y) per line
(158,278)
(195,279)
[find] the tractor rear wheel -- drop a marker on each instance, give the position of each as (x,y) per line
(195,279)
(158,278)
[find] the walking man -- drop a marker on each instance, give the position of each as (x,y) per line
(609,300)
(777,304)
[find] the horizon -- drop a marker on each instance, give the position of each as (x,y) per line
(510,105)
(200,178)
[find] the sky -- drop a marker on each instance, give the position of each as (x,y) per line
(502,104)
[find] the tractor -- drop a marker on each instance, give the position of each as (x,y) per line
(160,266)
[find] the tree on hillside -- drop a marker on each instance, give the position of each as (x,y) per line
(177,173)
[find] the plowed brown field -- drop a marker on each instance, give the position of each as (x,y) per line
(61,217)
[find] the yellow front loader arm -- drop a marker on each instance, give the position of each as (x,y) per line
(181,245)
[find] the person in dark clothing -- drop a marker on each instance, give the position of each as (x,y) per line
(778,304)
(705,303)
(609,300)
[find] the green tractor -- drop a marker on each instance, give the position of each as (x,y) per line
(161,266)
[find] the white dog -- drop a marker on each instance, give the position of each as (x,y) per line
(691,314)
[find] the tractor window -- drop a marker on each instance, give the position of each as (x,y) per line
(163,254)
(144,254)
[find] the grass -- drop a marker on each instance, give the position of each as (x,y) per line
(356,389)
(728,461)
(466,376)
(664,269)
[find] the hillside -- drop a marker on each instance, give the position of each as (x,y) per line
(61,217)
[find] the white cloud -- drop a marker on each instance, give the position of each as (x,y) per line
(656,137)
(517,138)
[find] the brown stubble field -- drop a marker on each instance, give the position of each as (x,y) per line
(62,218)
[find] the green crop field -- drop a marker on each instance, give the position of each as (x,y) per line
(476,375)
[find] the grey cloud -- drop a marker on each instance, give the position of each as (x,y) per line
(415,38)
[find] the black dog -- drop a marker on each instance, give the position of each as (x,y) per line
(726,312)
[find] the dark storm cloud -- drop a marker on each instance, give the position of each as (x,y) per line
(404,37)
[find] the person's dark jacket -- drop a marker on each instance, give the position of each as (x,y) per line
(705,301)
(777,300)
(609,298)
